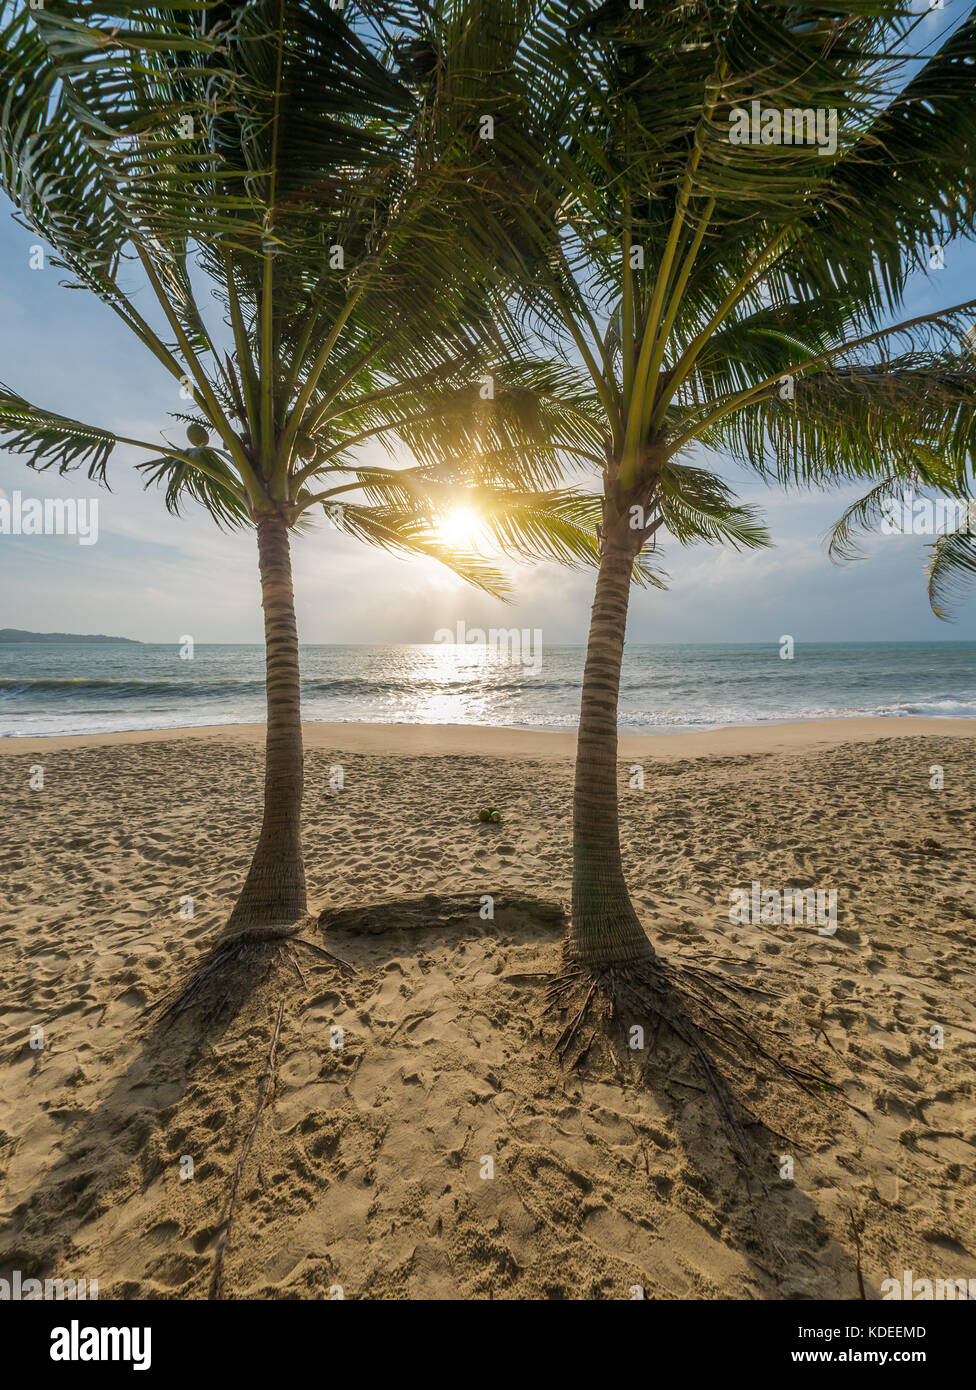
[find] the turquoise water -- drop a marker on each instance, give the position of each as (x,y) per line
(76,688)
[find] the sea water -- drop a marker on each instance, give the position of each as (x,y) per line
(87,688)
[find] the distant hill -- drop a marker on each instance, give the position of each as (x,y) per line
(16,634)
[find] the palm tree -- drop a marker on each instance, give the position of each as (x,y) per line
(737,298)
(272,150)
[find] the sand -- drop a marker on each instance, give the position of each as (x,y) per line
(368,1171)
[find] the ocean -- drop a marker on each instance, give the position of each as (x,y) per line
(76,688)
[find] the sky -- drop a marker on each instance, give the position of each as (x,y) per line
(156,577)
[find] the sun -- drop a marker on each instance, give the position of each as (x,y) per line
(460,527)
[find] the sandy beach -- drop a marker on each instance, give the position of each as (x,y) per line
(392,1086)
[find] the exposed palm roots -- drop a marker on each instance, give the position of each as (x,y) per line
(250,953)
(699,1008)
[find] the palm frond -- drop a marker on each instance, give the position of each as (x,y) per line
(952,568)
(697,505)
(391,531)
(202,476)
(862,514)
(49,440)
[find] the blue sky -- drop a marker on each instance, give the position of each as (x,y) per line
(156,577)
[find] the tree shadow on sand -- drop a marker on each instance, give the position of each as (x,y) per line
(117,1143)
(231,1000)
(238,980)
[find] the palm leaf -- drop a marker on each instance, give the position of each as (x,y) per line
(53,441)
(951,568)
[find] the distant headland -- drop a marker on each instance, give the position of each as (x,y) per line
(16,634)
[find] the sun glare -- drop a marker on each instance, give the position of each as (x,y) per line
(460,528)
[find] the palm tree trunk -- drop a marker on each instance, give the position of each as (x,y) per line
(273,895)
(605,928)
